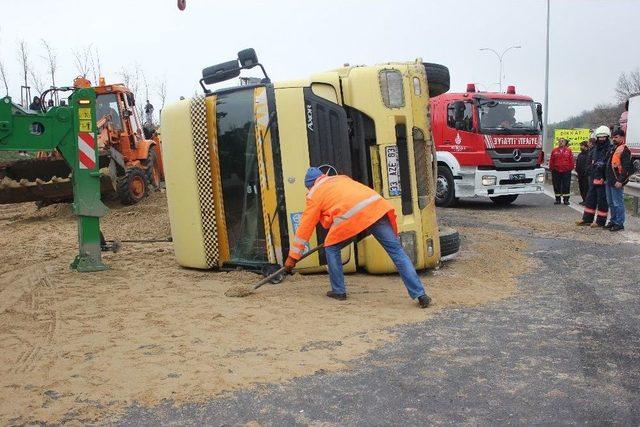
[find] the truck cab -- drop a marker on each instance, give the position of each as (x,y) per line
(488,144)
(235,161)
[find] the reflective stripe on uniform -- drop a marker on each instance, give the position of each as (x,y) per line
(318,184)
(300,241)
(589,211)
(296,250)
(602,213)
(357,208)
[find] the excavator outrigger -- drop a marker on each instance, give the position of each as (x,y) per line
(129,156)
(70,130)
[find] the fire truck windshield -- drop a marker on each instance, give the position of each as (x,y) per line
(509,117)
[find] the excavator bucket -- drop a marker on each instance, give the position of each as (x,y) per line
(44,179)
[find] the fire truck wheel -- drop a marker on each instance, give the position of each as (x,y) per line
(153,169)
(504,200)
(445,187)
(437,78)
(133,186)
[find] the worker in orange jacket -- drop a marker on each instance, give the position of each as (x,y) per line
(347,208)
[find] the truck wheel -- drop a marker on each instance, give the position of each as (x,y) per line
(504,200)
(445,187)
(437,78)
(449,241)
(153,169)
(133,186)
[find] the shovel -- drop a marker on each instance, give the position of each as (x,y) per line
(283,269)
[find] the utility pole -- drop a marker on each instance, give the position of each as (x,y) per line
(546,145)
(500,57)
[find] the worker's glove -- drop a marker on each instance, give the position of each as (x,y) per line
(289,264)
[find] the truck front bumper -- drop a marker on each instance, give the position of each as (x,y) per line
(471,182)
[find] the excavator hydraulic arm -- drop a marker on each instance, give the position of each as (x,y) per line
(71,130)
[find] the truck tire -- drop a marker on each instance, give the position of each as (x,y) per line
(445,187)
(133,186)
(504,200)
(449,241)
(437,78)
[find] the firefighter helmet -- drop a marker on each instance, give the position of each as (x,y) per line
(602,131)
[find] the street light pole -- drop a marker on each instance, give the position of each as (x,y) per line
(500,57)
(545,129)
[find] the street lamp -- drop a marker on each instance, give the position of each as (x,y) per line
(500,56)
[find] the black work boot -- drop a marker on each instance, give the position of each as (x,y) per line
(616,227)
(609,225)
(557,201)
(566,201)
(340,297)
(424,301)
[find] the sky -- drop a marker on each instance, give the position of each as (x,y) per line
(592,41)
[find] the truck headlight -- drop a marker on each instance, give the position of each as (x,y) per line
(540,178)
(488,180)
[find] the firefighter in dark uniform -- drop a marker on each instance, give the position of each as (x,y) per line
(595,206)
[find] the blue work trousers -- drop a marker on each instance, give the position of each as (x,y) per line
(615,199)
(384,234)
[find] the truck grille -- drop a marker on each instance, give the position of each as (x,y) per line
(514,158)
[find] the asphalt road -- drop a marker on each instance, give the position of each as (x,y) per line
(564,350)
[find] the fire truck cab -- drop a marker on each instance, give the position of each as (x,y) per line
(488,144)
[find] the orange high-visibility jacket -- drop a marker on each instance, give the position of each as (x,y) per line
(343,206)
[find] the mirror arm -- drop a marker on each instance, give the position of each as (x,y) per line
(204,88)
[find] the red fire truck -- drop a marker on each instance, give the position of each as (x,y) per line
(488,144)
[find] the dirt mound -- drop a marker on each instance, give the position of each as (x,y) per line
(85,346)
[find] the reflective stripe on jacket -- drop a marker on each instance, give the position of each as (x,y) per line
(344,207)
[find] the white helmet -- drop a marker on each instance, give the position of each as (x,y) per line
(602,131)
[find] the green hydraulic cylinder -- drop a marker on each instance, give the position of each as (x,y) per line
(71,130)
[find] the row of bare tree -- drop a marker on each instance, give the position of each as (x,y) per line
(87,64)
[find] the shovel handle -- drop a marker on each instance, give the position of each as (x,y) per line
(283,269)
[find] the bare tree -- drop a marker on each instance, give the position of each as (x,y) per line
(161,91)
(628,85)
(23,60)
(4,76)
(36,81)
(52,61)
(131,78)
(82,60)
(95,65)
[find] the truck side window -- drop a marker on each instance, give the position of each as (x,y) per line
(467,120)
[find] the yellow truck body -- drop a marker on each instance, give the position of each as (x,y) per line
(235,162)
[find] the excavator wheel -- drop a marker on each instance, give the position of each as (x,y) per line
(133,186)
(153,169)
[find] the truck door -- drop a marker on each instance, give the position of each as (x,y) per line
(456,135)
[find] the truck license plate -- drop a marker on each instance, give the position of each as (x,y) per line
(515,176)
(393,171)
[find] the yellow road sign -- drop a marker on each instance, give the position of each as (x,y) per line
(574,136)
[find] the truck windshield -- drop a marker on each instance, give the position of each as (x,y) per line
(505,116)
(239,173)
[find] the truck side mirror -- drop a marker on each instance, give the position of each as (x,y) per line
(221,72)
(248,58)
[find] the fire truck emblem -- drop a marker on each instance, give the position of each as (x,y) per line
(517,155)
(458,140)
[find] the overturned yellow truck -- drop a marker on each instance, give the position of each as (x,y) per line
(235,161)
